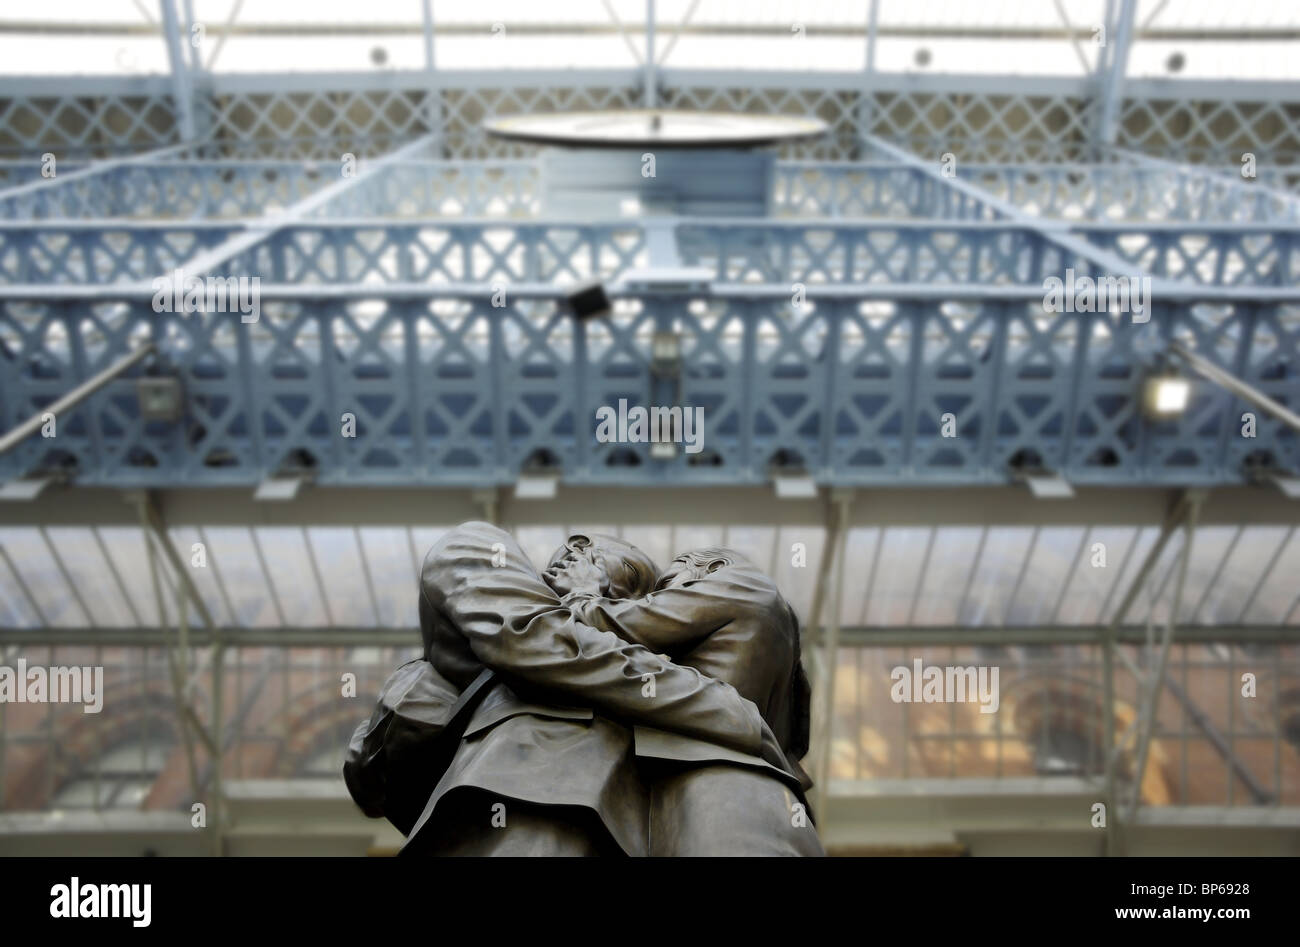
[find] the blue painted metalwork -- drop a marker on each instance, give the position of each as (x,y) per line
(177,190)
(487,188)
(1128,192)
(454,391)
(1206,254)
(441,251)
(86,253)
(425,297)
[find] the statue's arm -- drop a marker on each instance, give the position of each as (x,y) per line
(671,620)
(677,618)
(479,579)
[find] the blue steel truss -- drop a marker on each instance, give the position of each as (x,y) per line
(425,295)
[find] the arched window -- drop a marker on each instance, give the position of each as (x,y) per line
(123,773)
(1063,729)
(1066,749)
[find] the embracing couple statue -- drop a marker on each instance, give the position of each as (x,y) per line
(596,708)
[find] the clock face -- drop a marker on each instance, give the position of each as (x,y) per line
(654,127)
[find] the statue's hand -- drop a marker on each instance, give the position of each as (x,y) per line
(576,575)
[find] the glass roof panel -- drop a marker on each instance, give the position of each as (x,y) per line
(1225,599)
(291,575)
(697,537)
(654,541)
(1174,40)
(1211,546)
(756,543)
(338,557)
(388,556)
(30,555)
(1056,555)
(948,575)
(902,557)
(86,566)
(125,546)
(952,562)
(1098,570)
(1280,592)
(1153,601)
(241,573)
(1005,549)
(537,542)
(205,577)
(16,610)
(860,555)
(1127,569)
(798,583)
(424,537)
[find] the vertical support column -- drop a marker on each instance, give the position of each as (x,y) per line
(1113,79)
(1149,707)
(427,8)
(154,529)
(1103,57)
(217,815)
(196,57)
(832,559)
(1108,722)
(178,665)
(182,93)
(650,93)
(866,102)
(1177,513)
(433,97)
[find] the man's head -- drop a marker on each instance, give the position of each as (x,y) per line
(698,563)
(601,564)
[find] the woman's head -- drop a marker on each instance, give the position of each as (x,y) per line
(698,563)
(620,569)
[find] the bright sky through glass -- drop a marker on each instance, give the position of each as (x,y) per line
(955,36)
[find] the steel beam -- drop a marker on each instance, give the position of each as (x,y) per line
(185,717)
(1259,793)
(651,79)
(1054,231)
(1234,385)
(76,396)
(91,170)
(152,522)
(836,550)
(650,505)
(1113,82)
(598,27)
(223,33)
(623,34)
(182,91)
(263,228)
(433,93)
(196,53)
(155,529)
(681,26)
(270,83)
(1175,517)
(1074,37)
(426,8)
(851,636)
(1151,686)
(866,95)
(1209,175)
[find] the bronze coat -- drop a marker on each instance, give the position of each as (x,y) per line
(556,730)
(732,625)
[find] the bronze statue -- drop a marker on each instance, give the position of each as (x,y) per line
(543,720)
